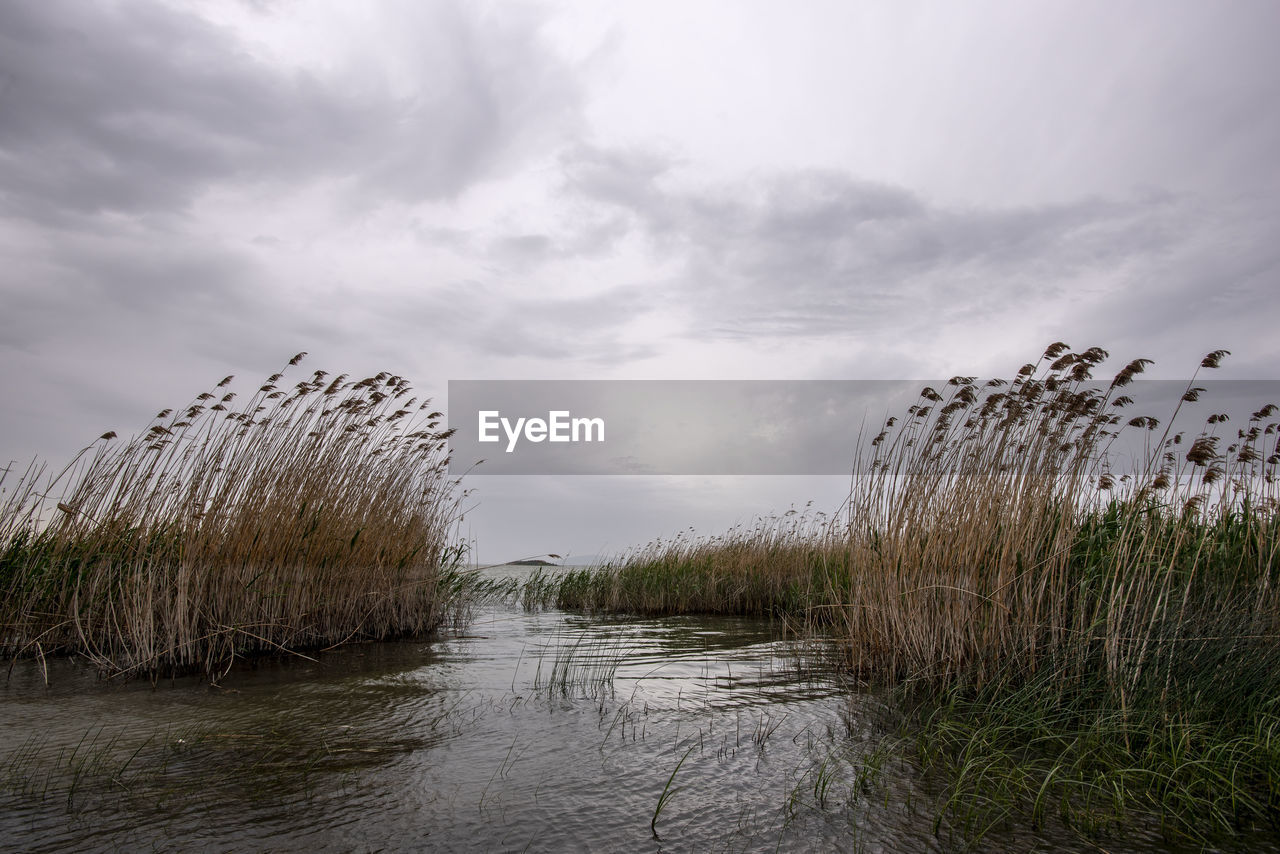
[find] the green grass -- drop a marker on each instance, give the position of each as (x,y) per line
(779,568)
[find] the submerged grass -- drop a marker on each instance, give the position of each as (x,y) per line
(313,514)
(170,769)
(1068,642)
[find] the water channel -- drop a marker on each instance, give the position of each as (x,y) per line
(543,731)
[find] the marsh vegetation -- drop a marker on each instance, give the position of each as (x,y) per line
(313,513)
(1066,640)
(1027,638)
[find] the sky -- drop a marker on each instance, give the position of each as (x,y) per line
(454,190)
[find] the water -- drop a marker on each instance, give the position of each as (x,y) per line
(538,732)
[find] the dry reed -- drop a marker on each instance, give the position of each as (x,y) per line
(1067,635)
(313,513)
(992,533)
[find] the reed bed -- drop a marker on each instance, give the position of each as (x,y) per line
(1066,639)
(775,566)
(316,512)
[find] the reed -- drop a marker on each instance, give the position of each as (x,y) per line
(313,513)
(992,530)
(1069,639)
(776,566)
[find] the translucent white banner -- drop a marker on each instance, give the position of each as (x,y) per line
(764,427)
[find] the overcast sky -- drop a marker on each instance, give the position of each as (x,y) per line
(643,190)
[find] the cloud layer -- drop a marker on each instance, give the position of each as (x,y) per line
(457,190)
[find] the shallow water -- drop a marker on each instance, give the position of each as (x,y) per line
(541,732)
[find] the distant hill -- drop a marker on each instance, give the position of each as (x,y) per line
(568,560)
(583,560)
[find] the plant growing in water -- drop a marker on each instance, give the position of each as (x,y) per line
(312,514)
(1067,641)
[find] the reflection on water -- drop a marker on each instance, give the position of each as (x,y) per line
(547,732)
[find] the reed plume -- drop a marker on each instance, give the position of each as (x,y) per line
(307,515)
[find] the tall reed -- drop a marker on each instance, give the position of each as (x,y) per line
(992,533)
(313,513)
(1058,625)
(1075,639)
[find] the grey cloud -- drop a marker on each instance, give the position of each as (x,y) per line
(94,336)
(1219,286)
(115,118)
(524,247)
(178,292)
(97,282)
(1202,99)
(481,317)
(627,178)
(819,253)
(584,327)
(139,107)
(580,236)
